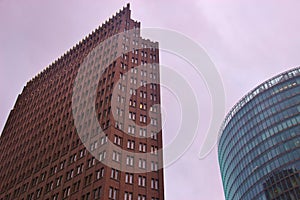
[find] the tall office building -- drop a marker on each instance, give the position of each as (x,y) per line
(89,125)
(259,146)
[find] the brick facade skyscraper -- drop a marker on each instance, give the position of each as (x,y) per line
(53,148)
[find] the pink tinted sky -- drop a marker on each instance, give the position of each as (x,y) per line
(249,42)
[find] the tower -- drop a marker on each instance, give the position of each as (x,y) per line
(89,125)
(259,145)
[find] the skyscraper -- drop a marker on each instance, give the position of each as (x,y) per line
(259,146)
(89,125)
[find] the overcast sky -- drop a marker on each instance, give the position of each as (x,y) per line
(249,42)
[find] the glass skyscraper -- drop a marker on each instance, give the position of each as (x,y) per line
(259,144)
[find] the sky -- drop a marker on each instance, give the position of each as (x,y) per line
(248,41)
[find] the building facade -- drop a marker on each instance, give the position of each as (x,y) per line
(259,145)
(89,125)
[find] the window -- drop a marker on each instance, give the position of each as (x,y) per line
(141,197)
(130,144)
(102,155)
(76,186)
(143,118)
(133,70)
(154,86)
(153,135)
(91,162)
(128,178)
(153,121)
(131,129)
(143,106)
(142,181)
(87,179)
(120,112)
(55,196)
(154,184)
(43,175)
(53,170)
(116,156)
(132,103)
(79,168)
(143,132)
(154,150)
(142,163)
(132,91)
(70,174)
(82,153)
(142,147)
(114,174)
(66,192)
(86,197)
(143,73)
(72,158)
(118,125)
(112,194)
(143,83)
(100,173)
(153,97)
(123,66)
(132,115)
(103,140)
(154,166)
(62,164)
(143,94)
(128,196)
(38,193)
(97,193)
(153,109)
(117,140)
(129,160)
(133,80)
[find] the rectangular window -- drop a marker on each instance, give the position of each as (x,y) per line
(114,174)
(141,197)
(116,156)
(132,115)
(142,163)
(100,173)
(143,132)
(131,129)
(66,192)
(154,150)
(102,155)
(128,196)
(153,121)
(117,140)
(128,178)
(129,160)
(142,181)
(130,144)
(97,193)
(153,135)
(112,194)
(142,147)
(103,140)
(154,166)
(154,184)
